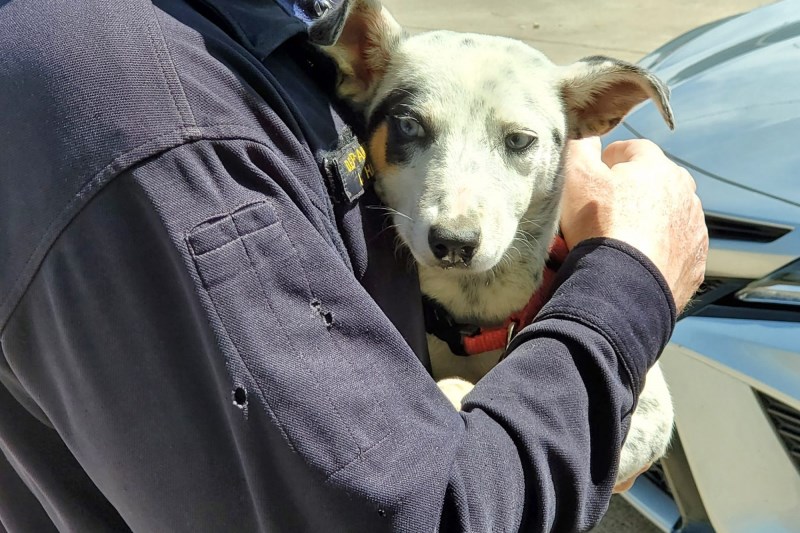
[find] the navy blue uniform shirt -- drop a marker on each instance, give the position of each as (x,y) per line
(196,338)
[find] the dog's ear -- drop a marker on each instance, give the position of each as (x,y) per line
(359,35)
(599,91)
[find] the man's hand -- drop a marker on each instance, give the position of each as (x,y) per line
(634,193)
(626,485)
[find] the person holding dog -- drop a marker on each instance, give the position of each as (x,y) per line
(203,323)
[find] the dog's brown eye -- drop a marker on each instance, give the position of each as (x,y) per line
(519,141)
(409,127)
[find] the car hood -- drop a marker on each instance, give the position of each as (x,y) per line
(735,92)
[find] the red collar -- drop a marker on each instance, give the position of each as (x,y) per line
(465,339)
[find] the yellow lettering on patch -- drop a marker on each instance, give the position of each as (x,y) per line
(356,160)
(350,162)
(369,172)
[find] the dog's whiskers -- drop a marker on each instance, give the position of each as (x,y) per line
(512,247)
(387,228)
(389,211)
(529,246)
(531,222)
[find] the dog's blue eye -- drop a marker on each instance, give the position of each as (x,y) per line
(410,127)
(519,141)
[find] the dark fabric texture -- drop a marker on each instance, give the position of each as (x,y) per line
(194,338)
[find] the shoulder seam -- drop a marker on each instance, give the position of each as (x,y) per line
(153,147)
(169,72)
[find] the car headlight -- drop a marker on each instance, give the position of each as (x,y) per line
(774,297)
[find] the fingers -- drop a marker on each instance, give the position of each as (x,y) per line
(631,150)
(687,176)
(695,238)
(625,486)
(641,150)
(649,202)
(628,483)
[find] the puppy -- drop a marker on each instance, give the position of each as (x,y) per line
(466,134)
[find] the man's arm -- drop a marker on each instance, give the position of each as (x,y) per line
(127,408)
(228,371)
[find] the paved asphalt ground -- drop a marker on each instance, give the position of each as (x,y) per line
(567,30)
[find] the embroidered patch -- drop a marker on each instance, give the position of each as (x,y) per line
(347,169)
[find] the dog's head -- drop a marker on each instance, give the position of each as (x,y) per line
(466,132)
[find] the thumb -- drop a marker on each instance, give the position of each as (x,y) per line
(585,153)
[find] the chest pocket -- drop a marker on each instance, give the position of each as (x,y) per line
(279,340)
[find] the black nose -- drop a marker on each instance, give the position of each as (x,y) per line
(453,245)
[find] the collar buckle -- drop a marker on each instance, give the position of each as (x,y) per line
(512,330)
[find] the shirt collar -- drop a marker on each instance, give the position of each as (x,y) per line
(263,25)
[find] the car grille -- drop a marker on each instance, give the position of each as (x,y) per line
(656,476)
(711,291)
(709,284)
(786,421)
(721,227)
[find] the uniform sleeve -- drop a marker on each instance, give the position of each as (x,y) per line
(201,347)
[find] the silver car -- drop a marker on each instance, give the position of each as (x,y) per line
(734,361)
